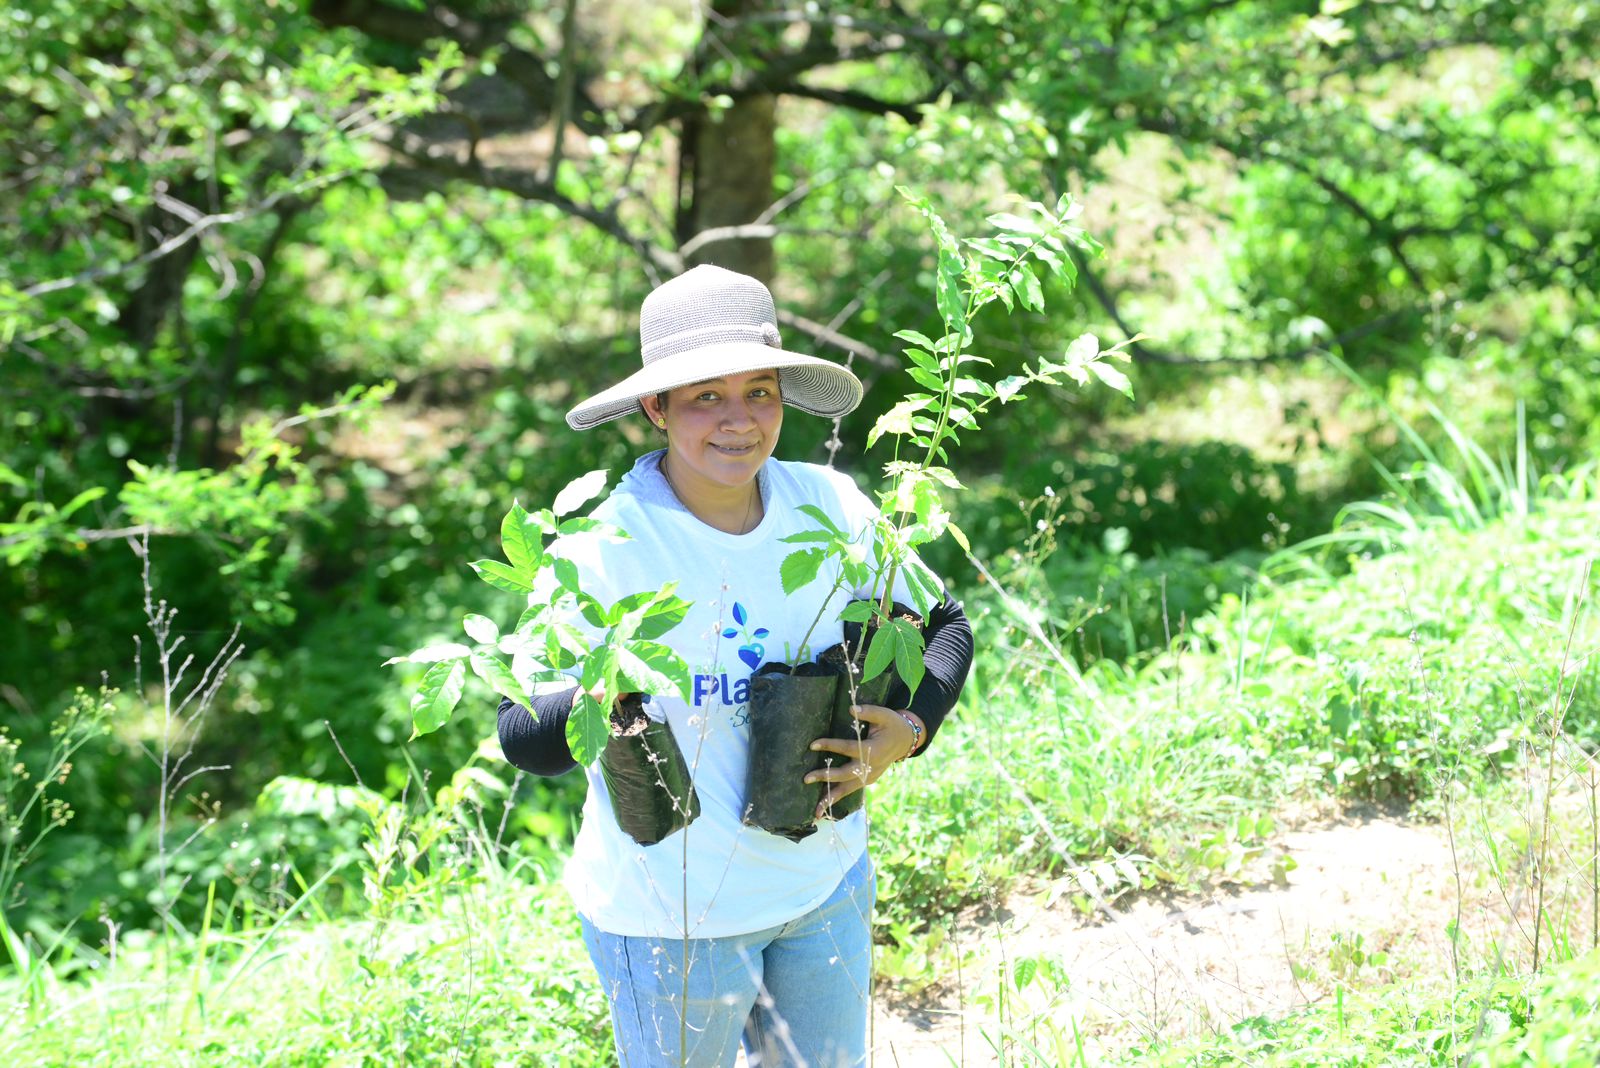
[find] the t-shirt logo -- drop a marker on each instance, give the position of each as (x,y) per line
(752,650)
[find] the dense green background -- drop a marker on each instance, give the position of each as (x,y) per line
(299,292)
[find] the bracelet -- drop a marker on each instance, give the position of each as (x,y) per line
(916,731)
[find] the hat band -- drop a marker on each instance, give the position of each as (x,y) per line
(721,334)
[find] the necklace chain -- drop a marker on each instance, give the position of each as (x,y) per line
(744,524)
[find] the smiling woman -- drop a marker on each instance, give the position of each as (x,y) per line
(719,433)
(722,930)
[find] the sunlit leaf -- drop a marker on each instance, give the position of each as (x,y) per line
(1084,347)
(501,576)
(800,568)
(951,300)
(915,337)
(1112,377)
(493,671)
(520,549)
(431,654)
(480,628)
(579,492)
(437,696)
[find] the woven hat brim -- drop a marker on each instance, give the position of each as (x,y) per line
(810,384)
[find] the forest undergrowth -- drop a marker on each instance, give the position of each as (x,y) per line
(1427,656)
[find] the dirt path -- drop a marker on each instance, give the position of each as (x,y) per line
(1176,968)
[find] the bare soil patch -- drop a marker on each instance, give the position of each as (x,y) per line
(1370,901)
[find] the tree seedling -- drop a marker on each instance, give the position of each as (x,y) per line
(621,653)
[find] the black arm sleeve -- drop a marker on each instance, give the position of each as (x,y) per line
(948,656)
(536,740)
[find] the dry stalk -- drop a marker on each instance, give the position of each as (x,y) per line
(1558,712)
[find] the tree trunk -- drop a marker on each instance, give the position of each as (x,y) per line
(726,168)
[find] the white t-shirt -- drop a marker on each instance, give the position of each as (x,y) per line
(717,877)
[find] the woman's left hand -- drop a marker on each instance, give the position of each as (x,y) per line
(889,739)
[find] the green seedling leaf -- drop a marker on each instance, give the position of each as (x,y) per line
(529,616)
(480,629)
(897,420)
(1015,223)
(527,668)
(593,612)
(1025,284)
(587,729)
(925,360)
(579,491)
(501,576)
(565,645)
(857,612)
(922,580)
(662,616)
(992,248)
(521,548)
(807,536)
(822,518)
(924,378)
(431,654)
(880,654)
(437,696)
(493,671)
(650,667)
(908,654)
(584,525)
(915,337)
(800,568)
(948,296)
(543,521)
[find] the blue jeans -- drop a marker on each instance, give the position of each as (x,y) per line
(797,994)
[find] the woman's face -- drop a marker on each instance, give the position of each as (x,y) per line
(721,430)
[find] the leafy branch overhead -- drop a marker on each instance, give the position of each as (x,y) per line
(618,653)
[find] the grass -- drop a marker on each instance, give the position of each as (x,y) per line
(492,972)
(1426,657)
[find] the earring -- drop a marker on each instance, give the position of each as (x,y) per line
(662,423)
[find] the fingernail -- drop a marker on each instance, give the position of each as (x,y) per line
(855,708)
(815,747)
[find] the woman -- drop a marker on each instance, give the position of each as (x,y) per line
(723,931)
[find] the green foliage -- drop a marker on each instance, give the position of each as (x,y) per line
(544,645)
(428,987)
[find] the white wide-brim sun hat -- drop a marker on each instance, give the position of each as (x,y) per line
(710,322)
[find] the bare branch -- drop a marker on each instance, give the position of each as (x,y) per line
(828,336)
(717,234)
(659,262)
(910,110)
(199,226)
